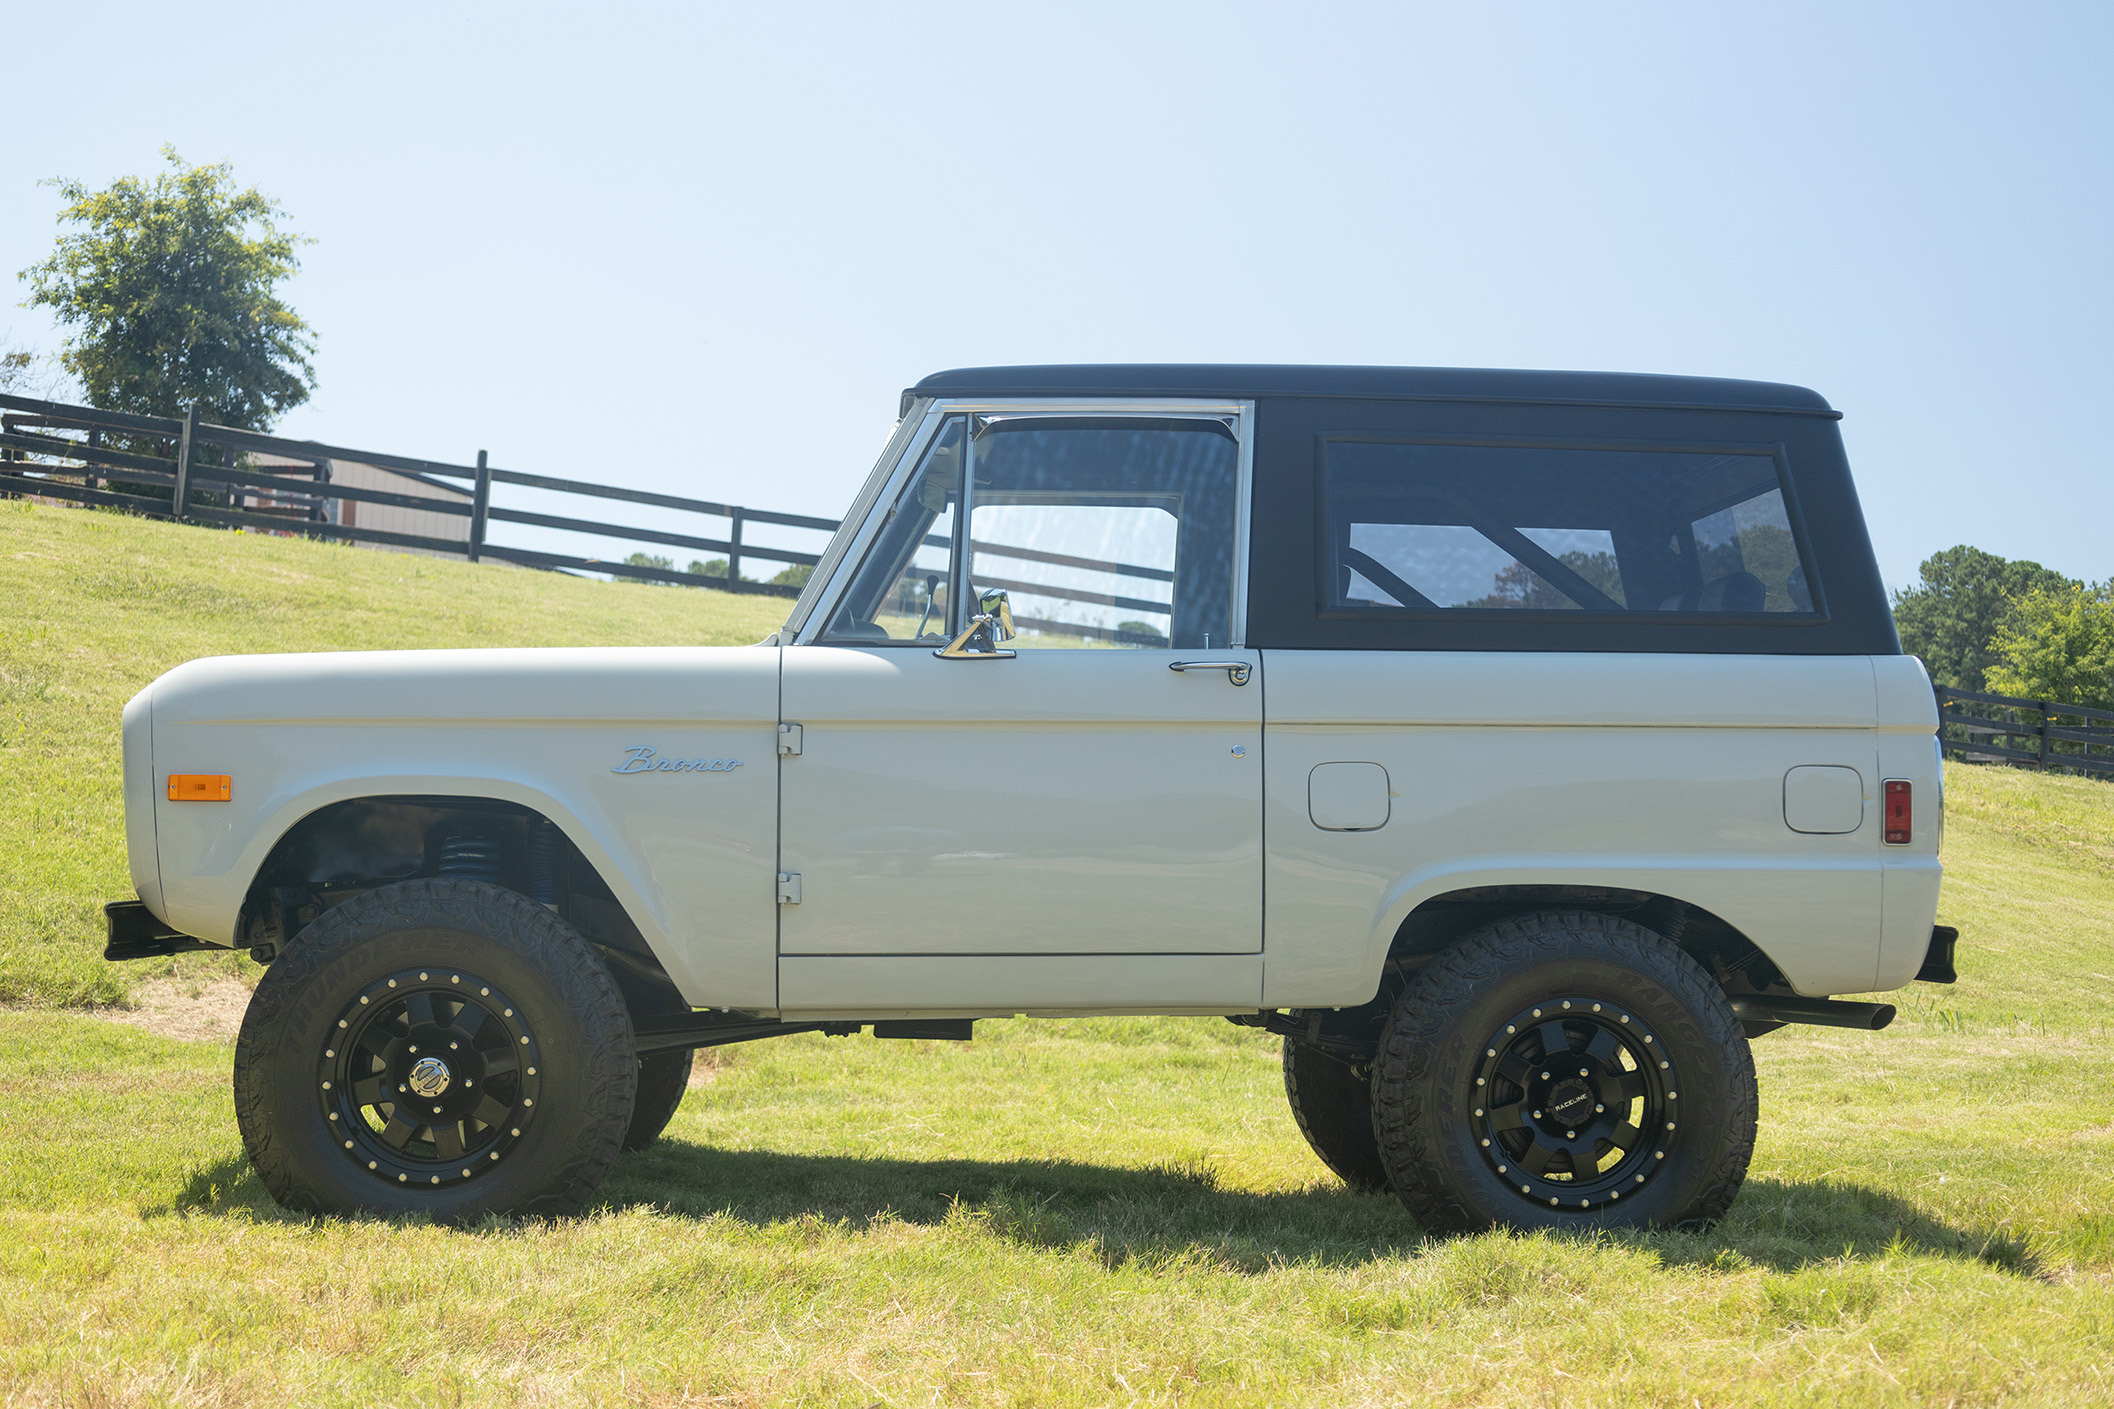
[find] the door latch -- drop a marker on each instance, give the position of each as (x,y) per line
(788,887)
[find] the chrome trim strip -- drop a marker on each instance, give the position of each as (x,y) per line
(1246,497)
(884,486)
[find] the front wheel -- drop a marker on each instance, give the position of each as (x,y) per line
(1332,1103)
(1563,1071)
(437,1047)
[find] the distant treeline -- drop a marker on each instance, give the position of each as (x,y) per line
(1981,622)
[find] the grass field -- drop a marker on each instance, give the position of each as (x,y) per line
(1090,1212)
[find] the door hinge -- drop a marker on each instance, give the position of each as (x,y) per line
(788,887)
(788,740)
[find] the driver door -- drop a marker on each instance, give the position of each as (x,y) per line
(1055,821)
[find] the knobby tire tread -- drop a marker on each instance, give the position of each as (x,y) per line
(1440,993)
(512,920)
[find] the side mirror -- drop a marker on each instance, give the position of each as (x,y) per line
(998,608)
(985,630)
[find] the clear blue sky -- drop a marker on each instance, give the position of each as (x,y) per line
(701,248)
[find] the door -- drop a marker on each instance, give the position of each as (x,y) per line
(1063,792)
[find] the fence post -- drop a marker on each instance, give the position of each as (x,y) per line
(480,505)
(734,550)
(2042,706)
(181,498)
(93,480)
(319,506)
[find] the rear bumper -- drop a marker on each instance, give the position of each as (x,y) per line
(135,932)
(1938,959)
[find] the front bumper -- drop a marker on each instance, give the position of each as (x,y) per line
(135,932)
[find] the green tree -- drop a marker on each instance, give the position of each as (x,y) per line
(2058,645)
(650,560)
(1966,594)
(170,289)
(794,575)
(708,567)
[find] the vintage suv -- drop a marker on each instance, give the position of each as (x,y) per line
(1516,745)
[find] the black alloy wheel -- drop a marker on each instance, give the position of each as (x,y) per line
(1576,1102)
(445,1048)
(433,1079)
(1564,1070)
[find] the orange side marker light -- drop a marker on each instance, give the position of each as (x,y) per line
(200,787)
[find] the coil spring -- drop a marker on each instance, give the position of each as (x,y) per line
(543,862)
(472,858)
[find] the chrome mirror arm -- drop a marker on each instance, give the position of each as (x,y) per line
(979,641)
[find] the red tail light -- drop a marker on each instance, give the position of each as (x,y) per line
(1899,814)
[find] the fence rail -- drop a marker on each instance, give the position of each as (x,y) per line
(189,469)
(1984,728)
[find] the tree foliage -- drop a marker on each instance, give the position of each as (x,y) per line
(170,290)
(1966,595)
(2058,645)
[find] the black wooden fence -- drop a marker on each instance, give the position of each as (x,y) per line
(190,469)
(1992,728)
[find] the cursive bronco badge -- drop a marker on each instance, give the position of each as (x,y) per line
(642,760)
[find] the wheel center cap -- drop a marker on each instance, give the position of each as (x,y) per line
(429,1077)
(1571,1102)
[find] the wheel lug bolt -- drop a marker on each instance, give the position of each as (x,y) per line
(1581,1071)
(1537,1115)
(1486,1144)
(414,1049)
(1570,1135)
(402,1087)
(1598,1109)
(436,1110)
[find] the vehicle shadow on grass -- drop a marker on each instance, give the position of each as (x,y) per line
(1154,1214)
(1174,1213)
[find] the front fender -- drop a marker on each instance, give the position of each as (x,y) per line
(690,853)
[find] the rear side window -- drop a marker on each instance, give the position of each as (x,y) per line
(1426,528)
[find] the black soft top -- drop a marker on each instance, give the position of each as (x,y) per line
(1235,381)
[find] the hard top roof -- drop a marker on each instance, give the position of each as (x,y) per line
(1236,381)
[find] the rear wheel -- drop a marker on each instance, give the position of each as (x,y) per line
(1564,1071)
(663,1078)
(441,1047)
(1333,1103)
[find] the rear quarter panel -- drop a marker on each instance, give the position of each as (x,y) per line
(1651,772)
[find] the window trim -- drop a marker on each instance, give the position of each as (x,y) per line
(1777,451)
(1242,413)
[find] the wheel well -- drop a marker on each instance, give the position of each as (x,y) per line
(350,847)
(1728,954)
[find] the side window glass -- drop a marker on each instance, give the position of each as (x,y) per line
(901,590)
(1445,527)
(1106,532)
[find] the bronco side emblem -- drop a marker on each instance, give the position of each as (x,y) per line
(642,760)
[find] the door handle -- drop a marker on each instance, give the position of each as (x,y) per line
(1236,670)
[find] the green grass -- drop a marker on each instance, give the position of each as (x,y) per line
(1094,1212)
(99,604)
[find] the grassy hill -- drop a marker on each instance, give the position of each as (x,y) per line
(99,604)
(1059,1213)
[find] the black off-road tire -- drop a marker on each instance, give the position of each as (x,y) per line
(663,1078)
(1631,1013)
(492,983)
(1333,1103)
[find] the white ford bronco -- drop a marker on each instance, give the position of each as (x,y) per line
(1517,745)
